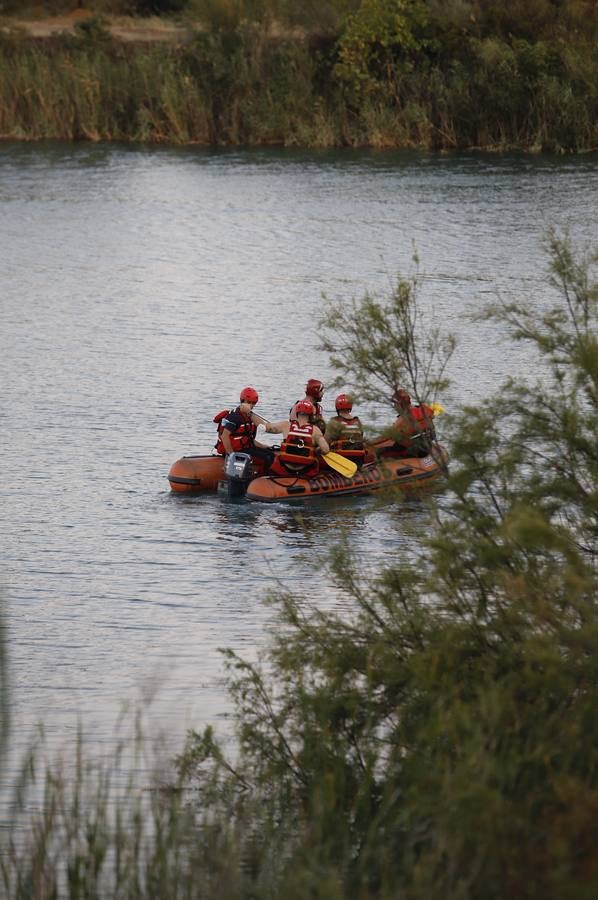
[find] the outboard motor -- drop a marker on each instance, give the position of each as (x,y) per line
(239,471)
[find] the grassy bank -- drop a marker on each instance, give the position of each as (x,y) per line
(392,81)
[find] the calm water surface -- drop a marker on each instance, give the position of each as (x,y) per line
(140,290)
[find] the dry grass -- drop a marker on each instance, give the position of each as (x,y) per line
(124,28)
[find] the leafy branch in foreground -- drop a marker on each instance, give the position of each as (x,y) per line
(380,345)
(442,741)
(546,446)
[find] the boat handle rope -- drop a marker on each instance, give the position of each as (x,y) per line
(284,483)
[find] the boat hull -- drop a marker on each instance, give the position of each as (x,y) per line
(410,474)
(196,474)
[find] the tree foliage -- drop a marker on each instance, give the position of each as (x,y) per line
(442,741)
(377,42)
(430,74)
(378,345)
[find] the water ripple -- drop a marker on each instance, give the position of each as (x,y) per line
(141,290)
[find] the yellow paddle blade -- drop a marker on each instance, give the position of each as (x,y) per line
(340,464)
(436,408)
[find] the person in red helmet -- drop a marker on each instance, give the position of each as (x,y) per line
(413,429)
(314,391)
(344,432)
(237,430)
(302,443)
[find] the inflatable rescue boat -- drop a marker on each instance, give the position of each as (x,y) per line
(196,474)
(410,474)
(236,476)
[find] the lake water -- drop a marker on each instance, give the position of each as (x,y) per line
(141,289)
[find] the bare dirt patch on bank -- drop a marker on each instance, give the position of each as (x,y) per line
(122,28)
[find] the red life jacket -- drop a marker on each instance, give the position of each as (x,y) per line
(298,451)
(243,436)
(416,429)
(423,414)
(316,419)
(350,441)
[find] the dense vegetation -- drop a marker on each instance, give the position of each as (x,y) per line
(440,742)
(433,74)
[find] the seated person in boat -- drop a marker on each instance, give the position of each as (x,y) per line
(314,391)
(413,429)
(344,431)
(301,445)
(237,430)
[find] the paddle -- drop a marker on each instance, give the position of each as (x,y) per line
(340,464)
(436,408)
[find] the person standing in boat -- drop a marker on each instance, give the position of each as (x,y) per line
(314,391)
(302,443)
(413,429)
(344,431)
(237,430)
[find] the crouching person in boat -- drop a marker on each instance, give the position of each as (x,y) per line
(413,429)
(302,444)
(344,432)
(237,429)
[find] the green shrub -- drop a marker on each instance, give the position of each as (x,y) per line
(402,73)
(442,742)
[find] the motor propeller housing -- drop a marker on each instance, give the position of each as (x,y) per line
(239,471)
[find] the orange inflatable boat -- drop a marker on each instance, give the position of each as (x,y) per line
(199,474)
(236,475)
(196,474)
(410,474)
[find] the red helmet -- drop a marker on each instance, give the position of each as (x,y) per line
(401,398)
(305,407)
(249,395)
(314,388)
(343,401)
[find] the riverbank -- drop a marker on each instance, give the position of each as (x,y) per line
(237,83)
(129,29)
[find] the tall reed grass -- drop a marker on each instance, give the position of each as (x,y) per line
(238,86)
(114,827)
